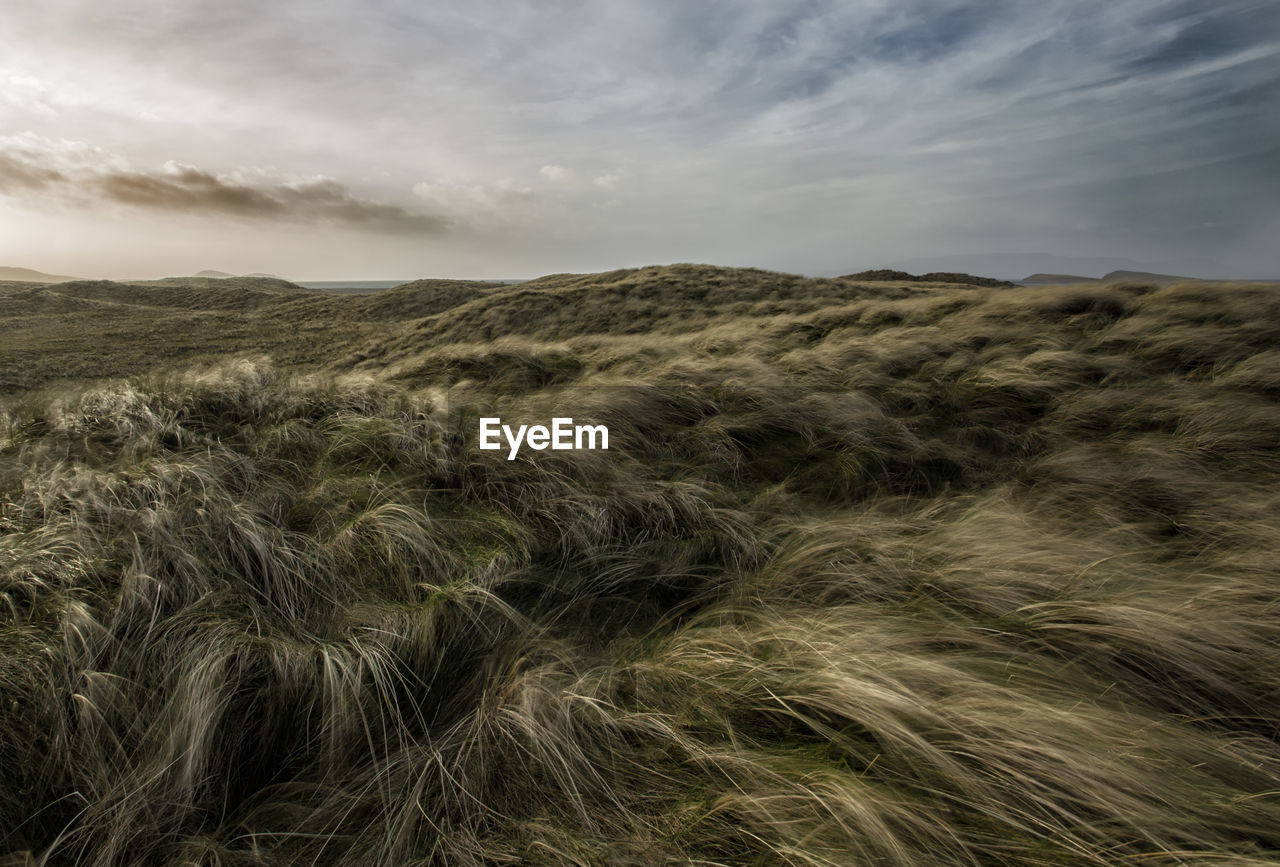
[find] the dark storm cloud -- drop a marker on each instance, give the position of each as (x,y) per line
(195,191)
(17,175)
(186,189)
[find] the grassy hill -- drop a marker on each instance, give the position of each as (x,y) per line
(872,573)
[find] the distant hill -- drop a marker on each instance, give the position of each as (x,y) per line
(1145,276)
(29,276)
(222,275)
(883,274)
(1010,265)
(1132,277)
(1110,277)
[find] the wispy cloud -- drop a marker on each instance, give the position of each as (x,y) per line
(477,203)
(815,134)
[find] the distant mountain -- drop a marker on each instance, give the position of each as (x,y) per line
(29,276)
(1055,279)
(209,273)
(262,274)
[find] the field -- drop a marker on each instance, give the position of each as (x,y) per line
(873,572)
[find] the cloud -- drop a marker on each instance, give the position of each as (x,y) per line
(471,198)
(17,175)
(758,131)
(74,171)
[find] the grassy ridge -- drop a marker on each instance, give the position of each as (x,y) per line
(872,574)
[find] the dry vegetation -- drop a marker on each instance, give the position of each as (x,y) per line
(873,574)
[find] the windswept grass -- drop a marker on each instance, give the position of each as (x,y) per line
(918,574)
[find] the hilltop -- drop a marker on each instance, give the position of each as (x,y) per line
(113,328)
(108,328)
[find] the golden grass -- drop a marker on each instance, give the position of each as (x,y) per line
(873,574)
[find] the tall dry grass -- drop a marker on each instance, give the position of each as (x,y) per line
(894,575)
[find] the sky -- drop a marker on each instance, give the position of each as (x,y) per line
(389,139)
